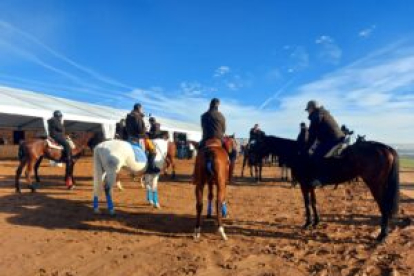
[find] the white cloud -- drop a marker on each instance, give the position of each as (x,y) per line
(298,59)
(373,96)
(221,71)
(330,52)
(367,32)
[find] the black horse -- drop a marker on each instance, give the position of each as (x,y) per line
(377,164)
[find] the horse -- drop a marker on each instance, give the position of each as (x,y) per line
(33,152)
(111,156)
(170,159)
(211,167)
(230,146)
(251,160)
(377,164)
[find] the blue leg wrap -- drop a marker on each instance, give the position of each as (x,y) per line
(155,197)
(209,166)
(109,200)
(149,196)
(95,202)
(209,208)
(224,209)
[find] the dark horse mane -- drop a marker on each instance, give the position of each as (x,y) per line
(287,149)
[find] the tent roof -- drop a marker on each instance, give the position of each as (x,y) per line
(23,108)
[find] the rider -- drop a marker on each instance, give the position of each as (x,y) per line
(324,129)
(155,129)
(348,134)
(135,128)
(213,123)
(303,137)
(57,132)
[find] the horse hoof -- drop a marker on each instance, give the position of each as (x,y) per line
(112,213)
(307,226)
(381,237)
(32,188)
(157,206)
(209,216)
(18,191)
(150,202)
(197,233)
(96,211)
(71,187)
(222,233)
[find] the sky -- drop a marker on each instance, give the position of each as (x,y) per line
(263,59)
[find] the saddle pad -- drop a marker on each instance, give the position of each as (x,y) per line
(140,155)
(337,150)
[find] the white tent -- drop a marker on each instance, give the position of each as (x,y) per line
(24,109)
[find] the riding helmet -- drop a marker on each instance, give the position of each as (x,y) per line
(57,114)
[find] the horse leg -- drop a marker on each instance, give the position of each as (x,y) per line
(173,169)
(244,164)
(118,183)
(199,207)
(221,186)
(231,169)
(316,219)
(36,169)
(110,178)
(29,172)
(210,202)
(384,227)
(18,175)
(305,193)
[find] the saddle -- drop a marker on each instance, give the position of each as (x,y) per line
(139,153)
(55,145)
(336,151)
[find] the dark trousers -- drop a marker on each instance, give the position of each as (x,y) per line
(323,148)
(67,151)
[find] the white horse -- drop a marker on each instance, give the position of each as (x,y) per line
(110,157)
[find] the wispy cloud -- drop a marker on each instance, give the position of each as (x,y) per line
(367,32)
(298,59)
(221,71)
(330,52)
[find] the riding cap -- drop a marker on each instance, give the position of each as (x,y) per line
(312,104)
(302,125)
(137,106)
(57,114)
(214,102)
(152,119)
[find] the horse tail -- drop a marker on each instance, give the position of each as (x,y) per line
(21,151)
(209,157)
(98,172)
(392,192)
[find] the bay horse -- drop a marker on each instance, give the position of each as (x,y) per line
(377,164)
(211,167)
(170,159)
(32,153)
(230,146)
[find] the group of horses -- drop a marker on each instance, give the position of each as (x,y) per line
(375,163)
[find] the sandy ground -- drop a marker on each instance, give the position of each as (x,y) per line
(54,231)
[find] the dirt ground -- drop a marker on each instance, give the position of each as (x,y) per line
(54,231)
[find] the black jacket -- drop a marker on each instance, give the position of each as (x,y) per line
(135,125)
(213,124)
(303,138)
(56,128)
(323,127)
(155,131)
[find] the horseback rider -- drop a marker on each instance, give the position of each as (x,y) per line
(213,123)
(348,134)
(57,133)
(136,130)
(303,137)
(120,130)
(155,129)
(325,130)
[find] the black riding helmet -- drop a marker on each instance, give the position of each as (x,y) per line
(152,120)
(57,114)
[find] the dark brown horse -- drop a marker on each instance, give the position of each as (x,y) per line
(377,164)
(211,167)
(32,153)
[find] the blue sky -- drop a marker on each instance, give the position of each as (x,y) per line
(264,59)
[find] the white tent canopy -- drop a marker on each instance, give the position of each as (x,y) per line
(24,109)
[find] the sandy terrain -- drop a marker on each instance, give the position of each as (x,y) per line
(54,231)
